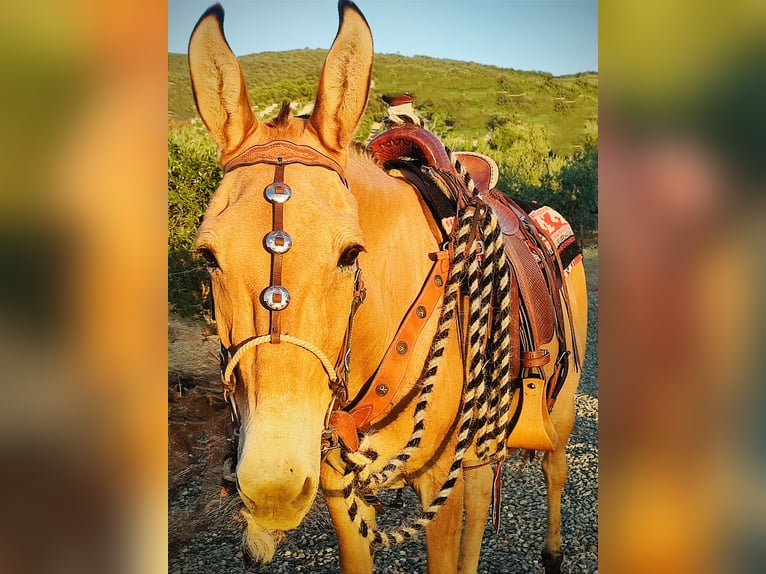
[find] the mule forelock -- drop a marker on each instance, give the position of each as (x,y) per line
(282,117)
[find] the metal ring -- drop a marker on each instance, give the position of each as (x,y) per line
(275,297)
(278,192)
(278,242)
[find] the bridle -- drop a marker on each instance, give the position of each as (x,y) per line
(276,297)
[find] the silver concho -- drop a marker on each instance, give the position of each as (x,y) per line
(278,192)
(278,242)
(275,297)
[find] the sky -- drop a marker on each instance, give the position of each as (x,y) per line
(556,36)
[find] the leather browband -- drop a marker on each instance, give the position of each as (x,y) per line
(289,152)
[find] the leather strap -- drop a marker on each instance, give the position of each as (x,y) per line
(280,153)
(379,398)
(344,356)
(558,378)
(532,359)
(287,152)
(382,389)
(275,317)
(560,271)
(515,347)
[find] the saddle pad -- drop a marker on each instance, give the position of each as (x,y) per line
(560,231)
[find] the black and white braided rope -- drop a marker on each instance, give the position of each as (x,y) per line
(485,276)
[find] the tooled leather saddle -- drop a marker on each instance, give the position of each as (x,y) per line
(417,155)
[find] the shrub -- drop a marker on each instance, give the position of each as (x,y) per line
(193,176)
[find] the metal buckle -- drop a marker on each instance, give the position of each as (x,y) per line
(330,441)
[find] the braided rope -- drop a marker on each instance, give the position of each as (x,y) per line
(358,464)
(462,171)
(488,386)
(430,367)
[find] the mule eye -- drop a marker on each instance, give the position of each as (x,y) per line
(210,261)
(349,255)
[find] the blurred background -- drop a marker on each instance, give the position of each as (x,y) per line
(83,295)
(682,222)
(83,290)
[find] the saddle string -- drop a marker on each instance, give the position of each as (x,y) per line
(485,410)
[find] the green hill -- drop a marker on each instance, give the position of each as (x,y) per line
(465,100)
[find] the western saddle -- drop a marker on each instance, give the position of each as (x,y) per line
(537,272)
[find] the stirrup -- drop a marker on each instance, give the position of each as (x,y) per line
(534,428)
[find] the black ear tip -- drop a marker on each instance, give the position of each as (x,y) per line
(215,10)
(343,4)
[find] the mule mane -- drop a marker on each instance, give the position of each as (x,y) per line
(360,152)
(357,150)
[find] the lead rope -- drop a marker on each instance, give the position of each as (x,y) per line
(485,411)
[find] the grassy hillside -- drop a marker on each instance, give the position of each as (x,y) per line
(466,100)
(541,130)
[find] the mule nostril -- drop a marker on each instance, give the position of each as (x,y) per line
(306,492)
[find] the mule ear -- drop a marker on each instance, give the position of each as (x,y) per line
(218,85)
(345,80)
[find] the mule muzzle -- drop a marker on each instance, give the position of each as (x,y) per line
(277,500)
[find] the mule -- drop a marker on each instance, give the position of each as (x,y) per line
(344,213)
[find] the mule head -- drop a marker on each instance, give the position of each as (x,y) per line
(282,390)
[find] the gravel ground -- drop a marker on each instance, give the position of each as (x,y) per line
(204,536)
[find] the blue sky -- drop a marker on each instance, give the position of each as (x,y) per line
(557,36)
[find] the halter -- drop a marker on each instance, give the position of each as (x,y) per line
(276,296)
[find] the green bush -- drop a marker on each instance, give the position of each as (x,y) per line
(193,176)
(578,189)
(571,188)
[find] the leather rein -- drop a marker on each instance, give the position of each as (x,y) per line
(343,418)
